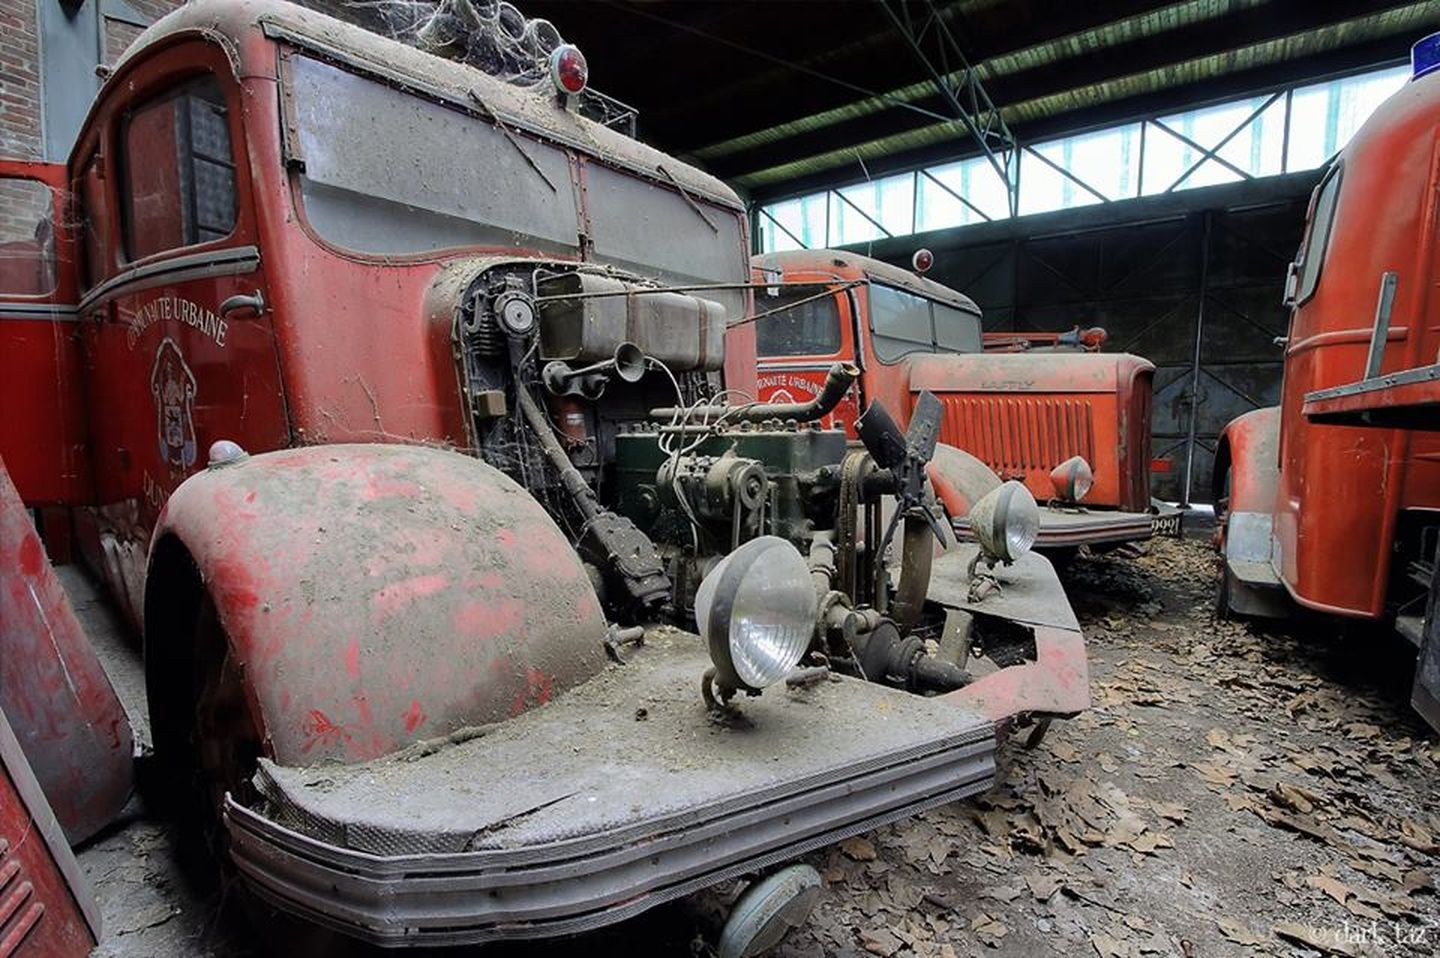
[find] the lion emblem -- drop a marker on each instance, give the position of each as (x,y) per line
(172,386)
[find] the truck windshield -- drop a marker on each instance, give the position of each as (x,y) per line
(902,323)
(389,172)
(799,323)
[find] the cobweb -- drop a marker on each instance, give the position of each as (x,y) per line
(490,35)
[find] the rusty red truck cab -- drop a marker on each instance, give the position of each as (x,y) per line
(1019,411)
(459,582)
(1321,509)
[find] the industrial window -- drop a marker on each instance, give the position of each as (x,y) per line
(807,329)
(902,323)
(27,238)
(179,171)
(1317,237)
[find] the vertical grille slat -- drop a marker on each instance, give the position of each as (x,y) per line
(19,914)
(1019,436)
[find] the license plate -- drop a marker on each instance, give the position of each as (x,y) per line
(1166,525)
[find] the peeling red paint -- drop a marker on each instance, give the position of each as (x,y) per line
(397,595)
(415,717)
(32,557)
(352,658)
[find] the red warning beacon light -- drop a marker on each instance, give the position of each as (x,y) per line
(568,69)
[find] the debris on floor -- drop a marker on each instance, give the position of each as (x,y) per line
(1235,790)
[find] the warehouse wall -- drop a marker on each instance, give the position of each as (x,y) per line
(1153,272)
(19,80)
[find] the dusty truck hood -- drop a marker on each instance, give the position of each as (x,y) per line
(1024,372)
(588,810)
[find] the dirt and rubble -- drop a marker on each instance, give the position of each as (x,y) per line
(1234,791)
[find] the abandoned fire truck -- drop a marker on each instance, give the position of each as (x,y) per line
(390,406)
(1331,502)
(1071,423)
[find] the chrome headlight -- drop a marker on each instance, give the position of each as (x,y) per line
(1073,479)
(1005,522)
(756,612)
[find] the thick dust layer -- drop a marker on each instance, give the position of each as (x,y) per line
(1234,791)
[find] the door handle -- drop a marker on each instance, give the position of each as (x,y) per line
(234,304)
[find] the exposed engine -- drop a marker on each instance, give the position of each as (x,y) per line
(600,394)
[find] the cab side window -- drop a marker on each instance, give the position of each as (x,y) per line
(800,322)
(179,171)
(1317,236)
(27,237)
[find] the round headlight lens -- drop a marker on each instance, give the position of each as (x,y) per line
(1073,479)
(756,612)
(1005,522)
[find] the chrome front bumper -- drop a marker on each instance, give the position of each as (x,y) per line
(580,814)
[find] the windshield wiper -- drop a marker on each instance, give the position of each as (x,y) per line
(514,141)
(693,205)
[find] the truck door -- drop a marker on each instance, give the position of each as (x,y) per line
(806,332)
(42,433)
(181,349)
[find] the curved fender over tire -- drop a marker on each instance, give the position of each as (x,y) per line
(1249,447)
(375,595)
(959,479)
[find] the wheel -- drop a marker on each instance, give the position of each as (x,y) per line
(768,910)
(224,739)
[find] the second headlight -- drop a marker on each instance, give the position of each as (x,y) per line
(1005,522)
(756,612)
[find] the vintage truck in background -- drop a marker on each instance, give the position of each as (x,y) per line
(1331,501)
(1020,405)
(387,399)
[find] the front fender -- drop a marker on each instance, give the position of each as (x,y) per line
(374,595)
(959,479)
(1249,449)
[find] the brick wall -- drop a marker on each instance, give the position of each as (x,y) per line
(20,130)
(19,80)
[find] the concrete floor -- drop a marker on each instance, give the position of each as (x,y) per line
(1234,791)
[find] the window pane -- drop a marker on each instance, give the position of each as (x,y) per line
(803,222)
(808,329)
(374,181)
(956,331)
(27,238)
(899,322)
(1312,254)
(1044,188)
(887,201)
(1324,117)
(180,175)
(848,225)
(1259,148)
(1108,161)
(976,180)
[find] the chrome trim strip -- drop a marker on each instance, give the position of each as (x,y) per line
(234,261)
(54,312)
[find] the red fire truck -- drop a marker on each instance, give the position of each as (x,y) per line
(387,398)
(1331,502)
(1015,407)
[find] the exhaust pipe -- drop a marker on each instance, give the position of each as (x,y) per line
(837,383)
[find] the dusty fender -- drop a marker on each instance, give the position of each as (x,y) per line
(1249,449)
(372,595)
(959,479)
(53,688)
(1246,482)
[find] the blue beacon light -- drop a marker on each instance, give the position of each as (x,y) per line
(1425,56)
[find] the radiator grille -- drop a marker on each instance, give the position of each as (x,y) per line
(19,911)
(1018,436)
